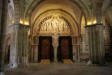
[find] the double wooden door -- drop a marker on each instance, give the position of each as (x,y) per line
(46,50)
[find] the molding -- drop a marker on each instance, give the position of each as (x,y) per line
(92,25)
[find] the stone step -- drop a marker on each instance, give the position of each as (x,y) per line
(45,61)
(67,61)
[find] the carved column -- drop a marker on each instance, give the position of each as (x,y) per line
(96,43)
(55,45)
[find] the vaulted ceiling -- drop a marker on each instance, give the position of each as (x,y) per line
(88,7)
(30,9)
(84,4)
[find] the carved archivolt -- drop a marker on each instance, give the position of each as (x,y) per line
(55,21)
(54,24)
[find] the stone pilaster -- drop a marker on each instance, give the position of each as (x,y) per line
(3,25)
(74,45)
(78,49)
(36,49)
(96,43)
(36,53)
(14,47)
(32,54)
(14,37)
(84,49)
(23,44)
(19,45)
(101,53)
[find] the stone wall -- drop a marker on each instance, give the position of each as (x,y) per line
(3,24)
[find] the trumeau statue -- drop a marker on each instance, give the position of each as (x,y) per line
(55,39)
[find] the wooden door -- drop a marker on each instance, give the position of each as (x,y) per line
(65,47)
(45,48)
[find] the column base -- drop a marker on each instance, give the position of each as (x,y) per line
(2,73)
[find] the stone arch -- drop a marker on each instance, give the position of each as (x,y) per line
(75,27)
(29,9)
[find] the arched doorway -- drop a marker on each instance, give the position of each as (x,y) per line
(51,20)
(54,25)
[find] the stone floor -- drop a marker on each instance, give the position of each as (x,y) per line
(62,69)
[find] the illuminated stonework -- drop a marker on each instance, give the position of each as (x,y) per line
(55,24)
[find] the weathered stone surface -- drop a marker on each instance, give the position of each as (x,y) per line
(3,25)
(96,44)
(62,69)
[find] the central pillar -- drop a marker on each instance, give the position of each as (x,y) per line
(55,45)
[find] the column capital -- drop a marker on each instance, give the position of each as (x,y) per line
(94,25)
